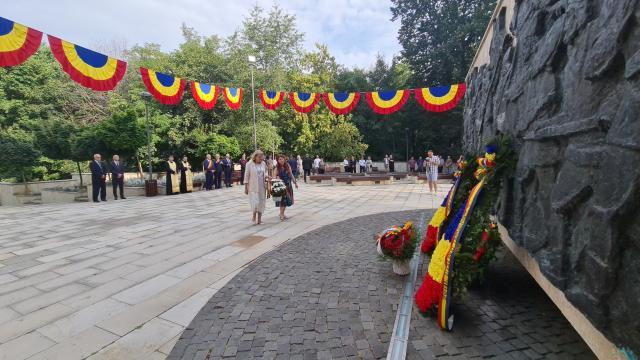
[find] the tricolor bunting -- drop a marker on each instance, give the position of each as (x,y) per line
(17,42)
(167,89)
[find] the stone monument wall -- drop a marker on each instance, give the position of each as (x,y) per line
(563,81)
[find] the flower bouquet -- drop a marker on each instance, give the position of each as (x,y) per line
(398,245)
(278,190)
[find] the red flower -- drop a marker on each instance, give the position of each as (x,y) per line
(430,239)
(429,294)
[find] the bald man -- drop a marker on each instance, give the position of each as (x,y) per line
(98,178)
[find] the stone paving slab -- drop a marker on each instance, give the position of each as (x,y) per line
(326,295)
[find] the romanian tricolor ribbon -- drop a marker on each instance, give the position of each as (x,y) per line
(433,228)
(205,95)
(271,100)
(341,103)
(444,314)
(304,102)
(86,67)
(17,42)
(167,89)
(440,98)
(387,102)
(233,97)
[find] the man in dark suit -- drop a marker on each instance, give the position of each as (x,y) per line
(117,177)
(98,178)
(307,164)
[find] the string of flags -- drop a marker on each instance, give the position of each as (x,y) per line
(100,72)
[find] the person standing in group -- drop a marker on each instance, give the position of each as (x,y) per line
(369,165)
(98,178)
(293,163)
(432,162)
(345,163)
(207,167)
(321,166)
(283,172)
(448,166)
(307,164)
(227,167)
(352,165)
(172,183)
(217,172)
(299,167)
(117,177)
(412,165)
(363,165)
(243,168)
(316,165)
(392,164)
(386,163)
(420,164)
(186,176)
(254,185)
(269,164)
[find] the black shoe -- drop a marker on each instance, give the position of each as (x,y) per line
(123,198)
(115,198)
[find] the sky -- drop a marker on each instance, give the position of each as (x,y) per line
(355,30)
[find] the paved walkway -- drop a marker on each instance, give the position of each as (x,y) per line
(326,295)
(122,279)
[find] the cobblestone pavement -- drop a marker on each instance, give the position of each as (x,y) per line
(508,317)
(323,295)
(326,295)
(122,279)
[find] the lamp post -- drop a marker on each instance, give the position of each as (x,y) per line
(252,61)
(146,96)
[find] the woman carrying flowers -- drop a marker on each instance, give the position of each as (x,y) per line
(284,173)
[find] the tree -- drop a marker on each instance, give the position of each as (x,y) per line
(440,38)
(17,154)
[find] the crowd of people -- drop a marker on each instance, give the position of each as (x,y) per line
(218,170)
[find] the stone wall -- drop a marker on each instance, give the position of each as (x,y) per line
(564,84)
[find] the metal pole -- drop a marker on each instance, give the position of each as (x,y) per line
(146,110)
(253,99)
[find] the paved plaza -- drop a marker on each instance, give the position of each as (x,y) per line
(122,279)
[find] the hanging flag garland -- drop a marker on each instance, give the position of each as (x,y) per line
(167,89)
(206,95)
(17,42)
(86,67)
(304,102)
(271,100)
(233,97)
(440,98)
(387,102)
(341,103)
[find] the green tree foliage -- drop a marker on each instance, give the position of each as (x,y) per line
(18,155)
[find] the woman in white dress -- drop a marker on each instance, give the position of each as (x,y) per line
(255,176)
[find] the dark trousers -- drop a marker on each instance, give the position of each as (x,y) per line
(227,176)
(307,172)
(99,188)
(208,184)
(242,175)
(217,179)
(362,169)
(118,183)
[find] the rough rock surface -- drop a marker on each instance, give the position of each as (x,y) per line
(565,87)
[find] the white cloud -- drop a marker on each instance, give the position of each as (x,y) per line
(354,30)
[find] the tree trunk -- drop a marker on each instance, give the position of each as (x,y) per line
(26,187)
(79,173)
(140,173)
